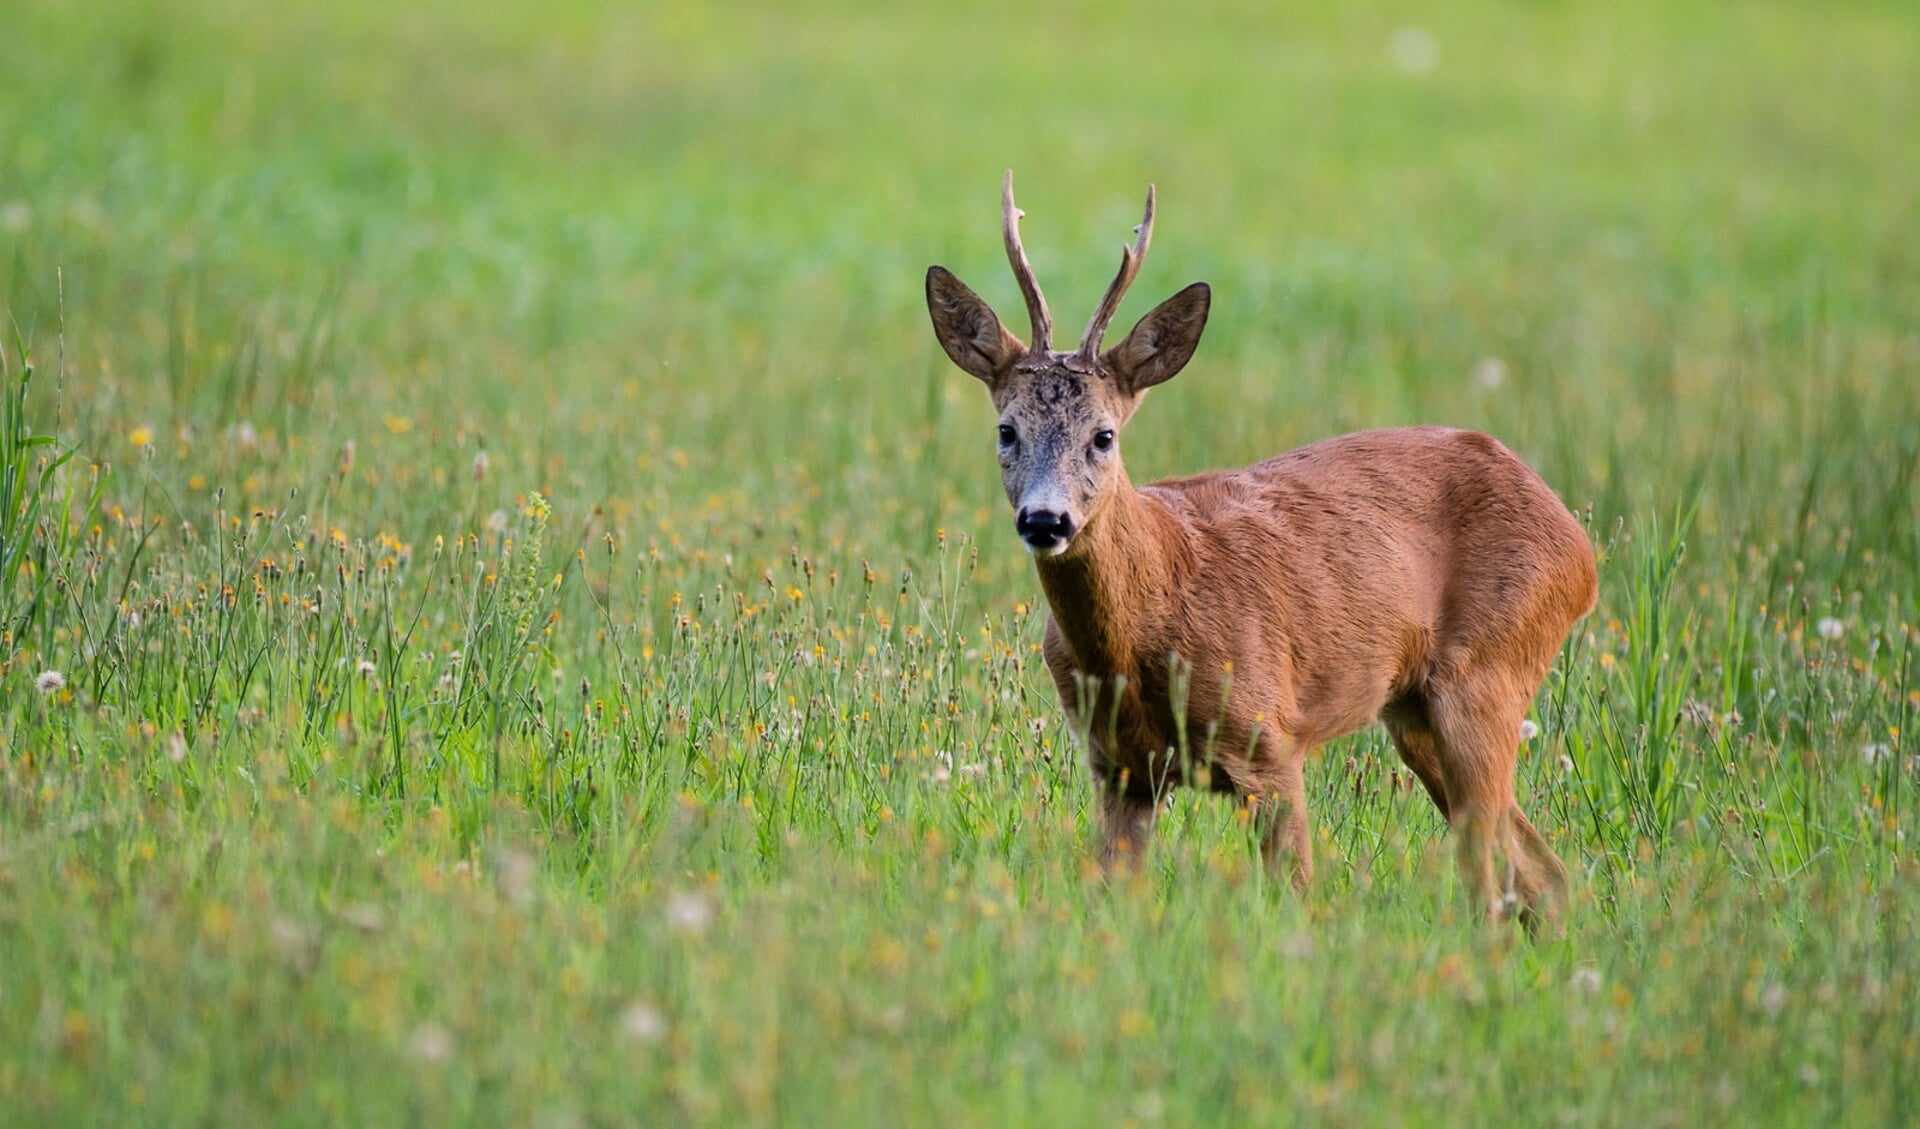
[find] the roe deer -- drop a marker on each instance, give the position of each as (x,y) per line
(1423,576)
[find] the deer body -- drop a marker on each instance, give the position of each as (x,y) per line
(1212,630)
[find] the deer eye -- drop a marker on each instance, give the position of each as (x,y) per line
(1103,439)
(1008,436)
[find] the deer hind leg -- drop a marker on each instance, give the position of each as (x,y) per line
(1419,748)
(1273,782)
(1505,862)
(1126,823)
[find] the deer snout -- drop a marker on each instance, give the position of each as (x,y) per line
(1046,532)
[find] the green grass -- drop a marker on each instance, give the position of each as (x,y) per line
(542,641)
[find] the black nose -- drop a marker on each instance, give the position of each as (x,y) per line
(1043,528)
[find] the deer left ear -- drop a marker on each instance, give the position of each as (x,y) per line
(968,328)
(1163,342)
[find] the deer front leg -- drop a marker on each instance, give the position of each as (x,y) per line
(1126,823)
(1273,782)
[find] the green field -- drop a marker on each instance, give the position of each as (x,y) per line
(540,639)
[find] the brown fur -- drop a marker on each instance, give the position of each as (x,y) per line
(1424,577)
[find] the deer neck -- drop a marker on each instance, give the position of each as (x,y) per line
(1097,590)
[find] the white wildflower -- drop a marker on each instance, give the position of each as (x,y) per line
(1773,999)
(1585,979)
(1875,753)
(431,1042)
(517,871)
(688,912)
(367,668)
(1528,730)
(1414,49)
(50,682)
(480,464)
(1830,628)
(642,1022)
(1490,373)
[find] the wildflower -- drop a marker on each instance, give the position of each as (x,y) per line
(364,917)
(1773,999)
(1566,764)
(1830,628)
(1697,712)
(431,1042)
(176,746)
(517,870)
(346,457)
(1585,980)
(497,522)
(642,1022)
(1490,373)
(50,681)
(1875,753)
(480,464)
(141,437)
(1414,49)
(688,912)
(1528,730)
(367,668)
(244,436)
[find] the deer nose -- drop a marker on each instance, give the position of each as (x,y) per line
(1043,529)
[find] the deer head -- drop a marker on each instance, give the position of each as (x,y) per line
(1061,412)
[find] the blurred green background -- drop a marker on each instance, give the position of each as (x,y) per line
(759,809)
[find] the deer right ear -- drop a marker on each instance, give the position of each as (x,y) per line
(968,328)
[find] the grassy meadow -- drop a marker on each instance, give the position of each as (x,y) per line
(509,614)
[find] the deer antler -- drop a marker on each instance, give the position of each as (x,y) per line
(1130,259)
(1023,270)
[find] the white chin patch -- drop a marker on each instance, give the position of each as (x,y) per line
(1052,548)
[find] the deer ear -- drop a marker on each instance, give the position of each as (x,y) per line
(968,329)
(1163,342)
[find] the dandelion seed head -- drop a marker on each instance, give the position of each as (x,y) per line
(1528,730)
(431,1042)
(516,870)
(1830,628)
(1489,373)
(643,1023)
(1414,49)
(50,681)
(688,912)
(1773,999)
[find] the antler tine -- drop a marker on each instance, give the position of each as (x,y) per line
(1130,260)
(1023,270)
